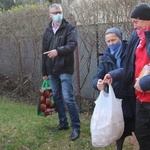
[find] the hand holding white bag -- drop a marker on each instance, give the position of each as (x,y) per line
(107,123)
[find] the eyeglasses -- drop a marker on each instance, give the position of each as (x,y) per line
(55,13)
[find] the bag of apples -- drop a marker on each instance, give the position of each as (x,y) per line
(46,104)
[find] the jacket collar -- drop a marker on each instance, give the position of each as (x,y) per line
(63,24)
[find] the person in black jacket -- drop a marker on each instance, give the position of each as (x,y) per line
(59,43)
(137,57)
(113,58)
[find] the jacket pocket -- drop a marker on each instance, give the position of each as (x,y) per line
(59,64)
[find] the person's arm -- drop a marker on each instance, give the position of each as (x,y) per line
(97,80)
(70,42)
(113,76)
(144,83)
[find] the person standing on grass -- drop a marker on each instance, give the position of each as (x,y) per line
(138,55)
(113,58)
(59,43)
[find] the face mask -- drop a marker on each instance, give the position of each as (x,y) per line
(113,47)
(58,18)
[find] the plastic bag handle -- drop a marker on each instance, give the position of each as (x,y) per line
(46,85)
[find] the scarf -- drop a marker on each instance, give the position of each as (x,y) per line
(116,50)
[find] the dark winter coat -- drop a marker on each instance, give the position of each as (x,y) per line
(108,63)
(127,74)
(64,41)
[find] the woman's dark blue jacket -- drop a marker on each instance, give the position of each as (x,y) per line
(107,63)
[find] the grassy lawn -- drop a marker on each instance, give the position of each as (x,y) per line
(22,129)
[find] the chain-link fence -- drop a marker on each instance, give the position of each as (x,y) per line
(20,45)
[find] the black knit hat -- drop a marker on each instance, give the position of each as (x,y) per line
(141,11)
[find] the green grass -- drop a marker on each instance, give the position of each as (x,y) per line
(22,129)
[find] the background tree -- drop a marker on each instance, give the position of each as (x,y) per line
(21,31)
(6,4)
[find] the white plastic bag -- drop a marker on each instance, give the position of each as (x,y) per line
(107,123)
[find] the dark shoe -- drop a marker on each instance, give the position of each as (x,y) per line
(75,134)
(59,127)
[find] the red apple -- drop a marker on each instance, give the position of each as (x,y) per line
(42,92)
(46,93)
(48,101)
(42,99)
(48,112)
(43,107)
